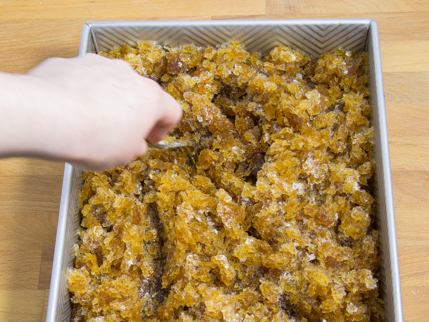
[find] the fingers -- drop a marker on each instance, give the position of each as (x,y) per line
(141,149)
(109,163)
(170,115)
(158,133)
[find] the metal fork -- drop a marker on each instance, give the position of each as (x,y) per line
(168,144)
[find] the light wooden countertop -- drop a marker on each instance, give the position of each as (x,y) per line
(31,31)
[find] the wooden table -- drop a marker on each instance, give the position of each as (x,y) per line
(31,31)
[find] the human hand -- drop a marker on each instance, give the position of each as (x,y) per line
(92,112)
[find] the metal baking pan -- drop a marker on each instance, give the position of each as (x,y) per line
(312,37)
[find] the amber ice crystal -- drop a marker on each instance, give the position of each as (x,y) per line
(269,217)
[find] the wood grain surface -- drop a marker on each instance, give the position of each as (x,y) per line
(31,31)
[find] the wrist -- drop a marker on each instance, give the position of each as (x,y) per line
(23,109)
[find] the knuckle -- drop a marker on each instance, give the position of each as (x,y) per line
(152,85)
